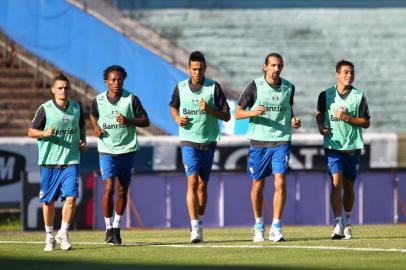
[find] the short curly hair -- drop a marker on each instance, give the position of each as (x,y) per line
(114,68)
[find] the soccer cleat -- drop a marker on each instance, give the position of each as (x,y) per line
(116,236)
(338,233)
(348,232)
(109,236)
(63,240)
(50,243)
(196,236)
(259,232)
(275,235)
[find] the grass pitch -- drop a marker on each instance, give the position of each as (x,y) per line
(373,247)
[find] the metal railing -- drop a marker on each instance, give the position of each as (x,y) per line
(107,12)
(44,73)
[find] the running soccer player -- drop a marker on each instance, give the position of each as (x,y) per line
(267,101)
(59,127)
(197,104)
(115,114)
(342,112)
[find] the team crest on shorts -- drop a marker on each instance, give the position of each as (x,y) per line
(101,171)
(251,169)
(41,194)
(186,168)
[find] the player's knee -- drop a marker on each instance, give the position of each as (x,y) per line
(70,201)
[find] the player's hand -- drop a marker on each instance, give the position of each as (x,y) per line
(121,119)
(342,115)
(203,105)
(182,120)
(83,145)
(323,130)
(98,132)
(296,122)
(259,110)
(49,132)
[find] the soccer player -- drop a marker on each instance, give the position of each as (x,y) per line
(267,101)
(59,127)
(342,112)
(197,104)
(115,114)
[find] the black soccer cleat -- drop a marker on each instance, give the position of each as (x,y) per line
(109,236)
(116,236)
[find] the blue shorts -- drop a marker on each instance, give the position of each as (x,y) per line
(198,161)
(57,182)
(337,162)
(118,165)
(264,160)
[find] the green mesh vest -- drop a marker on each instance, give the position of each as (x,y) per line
(117,138)
(201,127)
(275,123)
(342,135)
(61,148)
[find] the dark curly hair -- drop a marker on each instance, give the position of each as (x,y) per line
(114,68)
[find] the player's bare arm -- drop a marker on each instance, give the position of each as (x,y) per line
(140,121)
(323,129)
(222,115)
(98,131)
(180,120)
(240,113)
(38,134)
(357,121)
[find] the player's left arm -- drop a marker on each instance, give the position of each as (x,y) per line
(141,117)
(222,110)
(82,128)
(295,121)
(363,120)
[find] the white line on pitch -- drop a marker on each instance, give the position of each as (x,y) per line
(226,246)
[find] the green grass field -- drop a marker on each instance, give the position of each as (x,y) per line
(373,247)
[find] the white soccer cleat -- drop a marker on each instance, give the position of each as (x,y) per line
(338,232)
(196,236)
(63,240)
(259,232)
(50,243)
(275,235)
(348,232)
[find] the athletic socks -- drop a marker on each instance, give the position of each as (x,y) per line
(49,230)
(276,223)
(259,220)
(109,223)
(347,218)
(200,218)
(194,223)
(117,220)
(338,220)
(64,228)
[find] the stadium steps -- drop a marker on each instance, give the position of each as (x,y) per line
(23,90)
(237,40)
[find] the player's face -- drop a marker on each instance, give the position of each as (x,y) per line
(114,81)
(273,68)
(60,89)
(345,76)
(196,71)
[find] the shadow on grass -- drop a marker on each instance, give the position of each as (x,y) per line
(44,263)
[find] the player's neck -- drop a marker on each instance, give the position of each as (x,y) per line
(62,103)
(114,94)
(272,82)
(343,89)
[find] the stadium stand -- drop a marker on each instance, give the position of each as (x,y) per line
(312,37)
(25,84)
